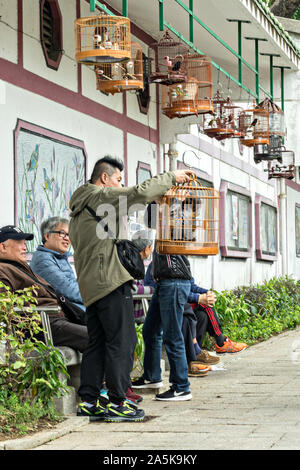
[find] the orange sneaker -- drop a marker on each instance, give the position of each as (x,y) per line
(198,370)
(231,347)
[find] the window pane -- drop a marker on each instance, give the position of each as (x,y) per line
(272,230)
(263,228)
(243,223)
(143,174)
(237,221)
(268,229)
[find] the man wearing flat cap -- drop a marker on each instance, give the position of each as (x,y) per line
(17,274)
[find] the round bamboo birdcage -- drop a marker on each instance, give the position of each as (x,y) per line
(276,117)
(199,67)
(180,100)
(122,76)
(271,151)
(188,220)
(254,124)
(102,39)
(222,123)
(166,65)
(284,168)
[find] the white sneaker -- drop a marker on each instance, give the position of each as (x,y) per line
(172,395)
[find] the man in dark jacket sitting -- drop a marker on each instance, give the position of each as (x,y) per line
(16,274)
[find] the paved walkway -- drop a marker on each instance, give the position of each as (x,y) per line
(253,404)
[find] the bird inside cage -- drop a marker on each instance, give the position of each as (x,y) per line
(100,37)
(174,65)
(116,71)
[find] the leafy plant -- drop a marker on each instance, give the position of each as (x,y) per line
(254,313)
(140,347)
(29,369)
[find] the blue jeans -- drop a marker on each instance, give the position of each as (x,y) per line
(163,323)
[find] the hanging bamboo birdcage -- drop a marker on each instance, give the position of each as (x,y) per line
(102,39)
(199,67)
(254,124)
(276,117)
(222,124)
(180,100)
(122,76)
(188,220)
(284,168)
(271,151)
(166,61)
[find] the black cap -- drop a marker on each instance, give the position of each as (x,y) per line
(14,233)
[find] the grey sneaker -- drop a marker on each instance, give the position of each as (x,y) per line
(172,395)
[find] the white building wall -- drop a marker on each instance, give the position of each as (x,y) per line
(33,58)
(293,262)
(101,138)
(8,30)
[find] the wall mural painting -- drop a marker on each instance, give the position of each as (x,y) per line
(47,173)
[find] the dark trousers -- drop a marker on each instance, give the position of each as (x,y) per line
(208,321)
(66,333)
(111,345)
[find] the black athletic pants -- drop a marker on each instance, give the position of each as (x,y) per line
(111,345)
(208,321)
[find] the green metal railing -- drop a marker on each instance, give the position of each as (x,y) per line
(190,42)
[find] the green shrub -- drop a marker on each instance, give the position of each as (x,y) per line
(140,347)
(18,418)
(29,370)
(255,313)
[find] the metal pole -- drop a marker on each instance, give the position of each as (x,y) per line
(172,154)
(239,22)
(256,64)
(161,15)
(282,198)
(271,72)
(124,8)
(191,20)
(282,82)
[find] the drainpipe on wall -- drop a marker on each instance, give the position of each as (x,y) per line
(282,209)
(173,155)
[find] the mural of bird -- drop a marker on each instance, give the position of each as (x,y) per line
(47,181)
(32,164)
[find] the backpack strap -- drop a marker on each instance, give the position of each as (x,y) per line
(100,220)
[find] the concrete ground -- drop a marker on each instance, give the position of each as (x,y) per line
(254,404)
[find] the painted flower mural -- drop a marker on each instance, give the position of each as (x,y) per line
(48,172)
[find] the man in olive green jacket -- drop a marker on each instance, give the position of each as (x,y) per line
(105,285)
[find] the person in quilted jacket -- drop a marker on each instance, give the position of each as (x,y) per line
(51,259)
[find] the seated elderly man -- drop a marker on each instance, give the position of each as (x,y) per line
(50,260)
(17,274)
